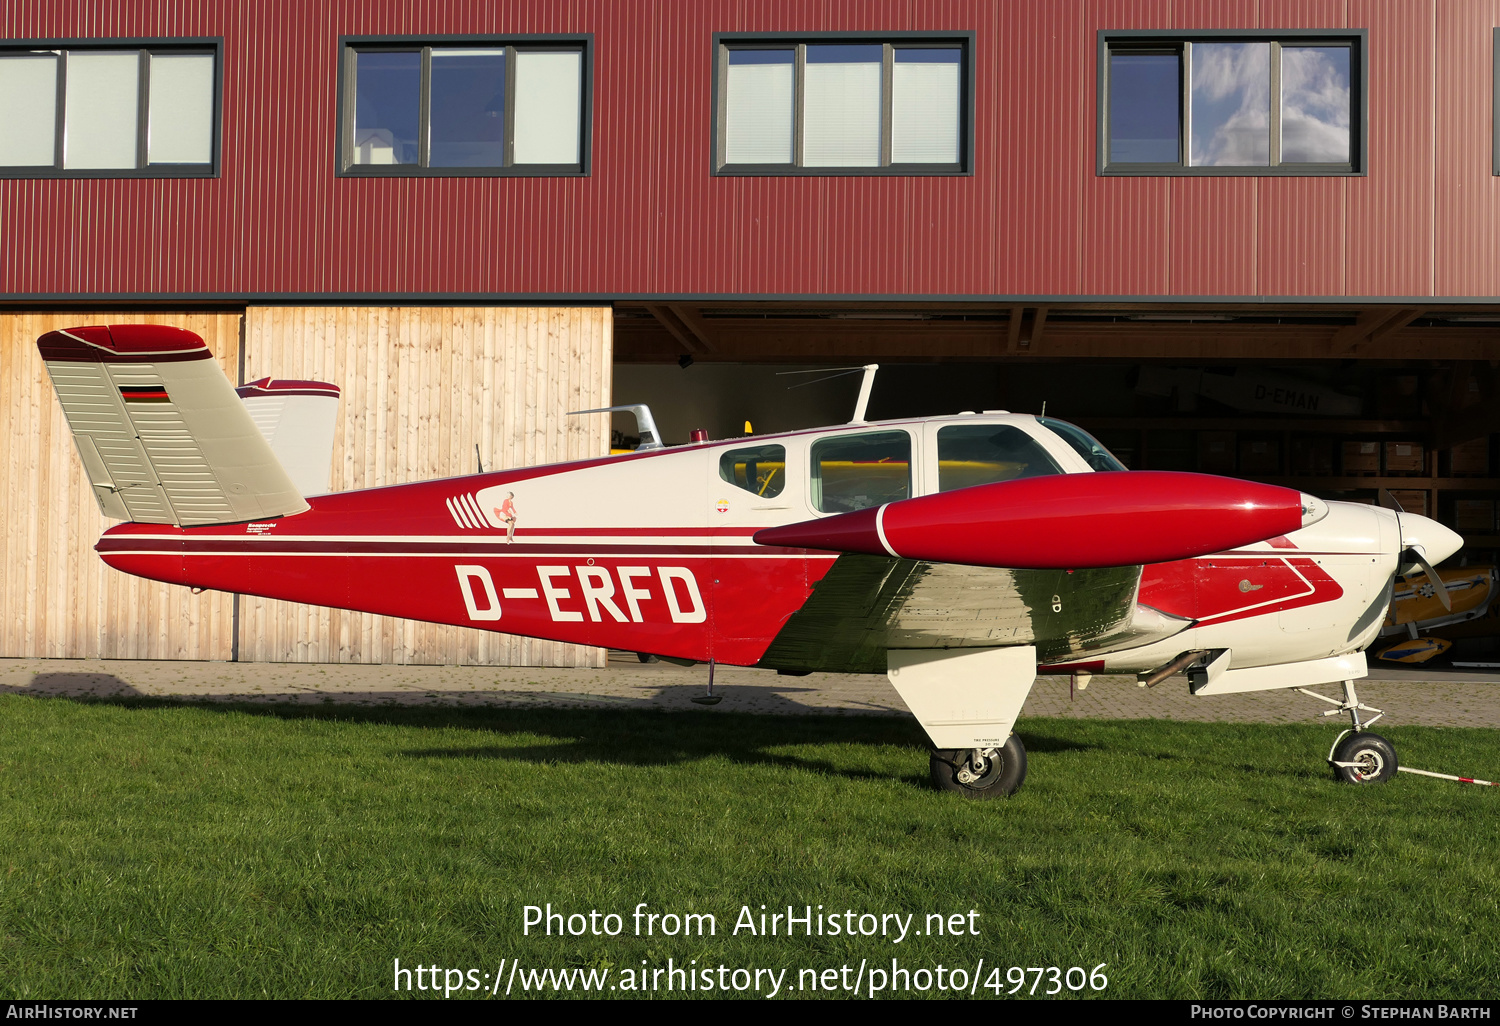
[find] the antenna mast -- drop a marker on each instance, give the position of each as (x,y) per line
(863,403)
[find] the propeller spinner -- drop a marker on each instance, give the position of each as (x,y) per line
(1423,543)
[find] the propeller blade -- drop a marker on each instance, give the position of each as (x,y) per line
(1386,499)
(1439,588)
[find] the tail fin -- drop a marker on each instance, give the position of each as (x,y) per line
(298,420)
(162,435)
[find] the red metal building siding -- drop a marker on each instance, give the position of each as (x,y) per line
(1034,219)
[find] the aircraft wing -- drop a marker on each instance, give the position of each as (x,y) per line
(1053,562)
(866,604)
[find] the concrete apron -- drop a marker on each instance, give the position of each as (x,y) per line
(1434,698)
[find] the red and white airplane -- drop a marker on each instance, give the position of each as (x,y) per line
(958,555)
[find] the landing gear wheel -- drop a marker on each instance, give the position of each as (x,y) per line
(1364,758)
(980,772)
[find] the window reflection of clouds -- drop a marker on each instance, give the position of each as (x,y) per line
(1315,104)
(1231,104)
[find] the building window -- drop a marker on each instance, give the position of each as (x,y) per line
(1495,106)
(840,105)
(465,106)
(1232,103)
(109,109)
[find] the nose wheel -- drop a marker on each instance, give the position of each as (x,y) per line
(1358,756)
(980,772)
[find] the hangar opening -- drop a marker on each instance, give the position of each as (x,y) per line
(1377,405)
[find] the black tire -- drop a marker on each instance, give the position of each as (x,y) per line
(1376,757)
(1003,776)
(645,657)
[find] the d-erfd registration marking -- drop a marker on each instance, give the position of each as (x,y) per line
(626,594)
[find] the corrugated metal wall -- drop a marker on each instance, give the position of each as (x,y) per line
(1035,219)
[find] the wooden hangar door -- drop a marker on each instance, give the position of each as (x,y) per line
(422,387)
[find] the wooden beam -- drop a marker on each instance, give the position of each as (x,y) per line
(695,324)
(664,317)
(813,340)
(1013,330)
(1038,322)
(1346,338)
(1395,324)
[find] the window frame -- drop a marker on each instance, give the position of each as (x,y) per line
(723,42)
(343,164)
(173,46)
(1495,104)
(1359,71)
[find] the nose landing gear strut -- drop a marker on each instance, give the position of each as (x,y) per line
(1357,755)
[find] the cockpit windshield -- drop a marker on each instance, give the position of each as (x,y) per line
(1083,443)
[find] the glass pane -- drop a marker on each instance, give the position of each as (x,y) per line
(1315,104)
(548,88)
(975,454)
(1231,104)
(468,109)
(28,109)
(760,469)
(924,106)
(387,92)
(101,111)
(1083,444)
(758,107)
(841,117)
(1145,108)
(181,125)
(856,471)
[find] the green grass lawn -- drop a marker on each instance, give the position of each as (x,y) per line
(154,849)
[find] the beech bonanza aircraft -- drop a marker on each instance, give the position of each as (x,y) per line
(958,555)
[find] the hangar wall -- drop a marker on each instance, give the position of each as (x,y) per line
(1034,219)
(422,387)
(58,598)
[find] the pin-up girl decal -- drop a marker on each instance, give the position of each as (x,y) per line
(507,511)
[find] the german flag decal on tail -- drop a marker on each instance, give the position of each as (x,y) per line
(144,394)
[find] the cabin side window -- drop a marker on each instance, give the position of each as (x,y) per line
(851,472)
(976,454)
(760,469)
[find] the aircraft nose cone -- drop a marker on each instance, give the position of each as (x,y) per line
(1435,541)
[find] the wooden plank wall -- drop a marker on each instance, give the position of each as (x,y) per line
(421,386)
(57,598)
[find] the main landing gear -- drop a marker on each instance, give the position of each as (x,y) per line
(1358,756)
(965,699)
(980,772)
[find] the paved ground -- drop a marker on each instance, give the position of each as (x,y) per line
(1434,698)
